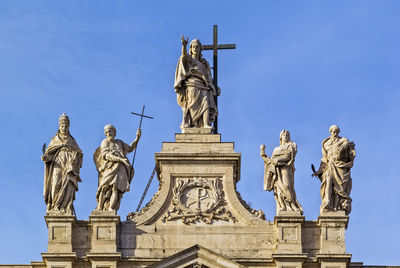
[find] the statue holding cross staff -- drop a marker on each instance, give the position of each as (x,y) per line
(194,87)
(115,170)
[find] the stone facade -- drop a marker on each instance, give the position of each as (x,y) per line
(196,219)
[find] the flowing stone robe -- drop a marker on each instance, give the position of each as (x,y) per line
(195,90)
(337,160)
(112,174)
(62,173)
(280,177)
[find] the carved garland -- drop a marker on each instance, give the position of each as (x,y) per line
(216,207)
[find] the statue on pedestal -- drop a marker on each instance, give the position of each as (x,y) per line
(115,170)
(334,172)
(63,160)
(279,173)
(194,87)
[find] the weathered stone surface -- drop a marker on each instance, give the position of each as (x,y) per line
(104,233)
(194,88)
(197,219)
(333,226)
(338,155)
(288,231)
(115,170)
(279,174)
(63,160)
(60,233)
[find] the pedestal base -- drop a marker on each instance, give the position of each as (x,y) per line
(333,226)
(104,232)
(60,233)
(288,225)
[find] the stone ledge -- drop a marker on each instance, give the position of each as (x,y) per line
(196,130)
(202,138)
(289,218)
(334,217)
(115,256)
(68,256)
(59,218)
(198,147)
(289,257)
(104,217)
(333,257)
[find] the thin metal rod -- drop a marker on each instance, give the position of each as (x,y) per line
(142,115)
(215,71)
(214,47)
(146,189)
(140,125)
(221,46)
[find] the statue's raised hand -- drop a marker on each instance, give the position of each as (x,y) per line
(184,41)
(262,148)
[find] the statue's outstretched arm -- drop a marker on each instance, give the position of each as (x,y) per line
(135,142)
(262,153)
(184,45)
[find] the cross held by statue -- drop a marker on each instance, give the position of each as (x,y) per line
(214,47)
(140,126)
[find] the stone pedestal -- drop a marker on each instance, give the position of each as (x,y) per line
(60,233)
(288,231)
(332,248)
(333,226)
(104,232)
(105,240)
(104,260)
(59,249)
(289,260)
(59,260)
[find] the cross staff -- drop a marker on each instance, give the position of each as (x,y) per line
(140,126)
(214,47)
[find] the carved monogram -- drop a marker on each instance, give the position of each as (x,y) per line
(198,199)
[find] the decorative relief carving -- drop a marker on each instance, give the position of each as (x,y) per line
(198,199)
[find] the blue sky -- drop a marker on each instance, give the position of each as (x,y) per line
(299,65)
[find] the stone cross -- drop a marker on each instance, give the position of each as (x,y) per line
(214,47)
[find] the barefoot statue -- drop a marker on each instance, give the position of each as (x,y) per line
(63,160)
(279,173)
(115,170)
(194,87)
(334,172)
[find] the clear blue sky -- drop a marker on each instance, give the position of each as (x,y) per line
(299,65)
